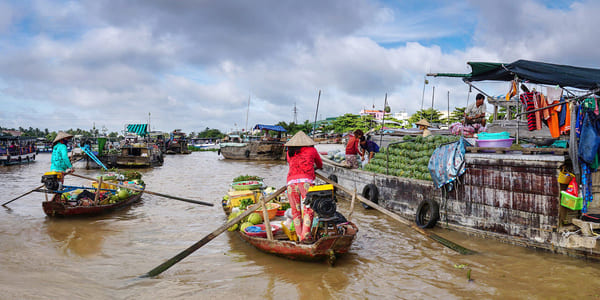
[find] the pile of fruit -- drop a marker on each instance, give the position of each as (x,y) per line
(408,158)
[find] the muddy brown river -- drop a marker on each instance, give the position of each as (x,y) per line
(102,257)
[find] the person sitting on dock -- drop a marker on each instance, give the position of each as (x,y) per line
(60,155)
(302,158)
(352,149)
(475,112)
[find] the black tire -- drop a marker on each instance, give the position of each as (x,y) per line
(247,153)
(333,178)
(428,213)
(370,192)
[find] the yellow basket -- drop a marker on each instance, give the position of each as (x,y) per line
(105,185)
(235,197)
(565,177)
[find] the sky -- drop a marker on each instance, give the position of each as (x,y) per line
(195,64)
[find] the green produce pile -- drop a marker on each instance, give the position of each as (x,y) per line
(247,178)
(410,158)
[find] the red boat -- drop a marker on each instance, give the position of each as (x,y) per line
(325,248)
(58,208)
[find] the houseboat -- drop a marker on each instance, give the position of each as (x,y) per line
(16,150)
(265,147)
(524,194)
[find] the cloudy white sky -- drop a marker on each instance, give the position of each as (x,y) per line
(193,64)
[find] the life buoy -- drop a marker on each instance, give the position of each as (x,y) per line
(333,178)
(428,213)
(247,153)
(370,192)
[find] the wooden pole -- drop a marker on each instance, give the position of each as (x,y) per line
(177,258)
(352,205)
(146,191)
(39,187)
(98,191)
(267,221)
(433,236)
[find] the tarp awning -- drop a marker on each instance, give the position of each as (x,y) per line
(139,129)
(533,72)
(270,127)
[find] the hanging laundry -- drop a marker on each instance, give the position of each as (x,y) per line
(554,94)
(536,105)
(527,101)
(566,127)
(513,90)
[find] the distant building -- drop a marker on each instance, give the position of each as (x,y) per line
(12,132)
(377,114)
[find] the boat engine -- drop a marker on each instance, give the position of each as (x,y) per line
(52,180)
(321,199)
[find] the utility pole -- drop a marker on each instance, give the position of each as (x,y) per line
(295,110)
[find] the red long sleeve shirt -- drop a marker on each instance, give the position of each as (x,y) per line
(302,165)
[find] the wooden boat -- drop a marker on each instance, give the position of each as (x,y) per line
(177,143)
(328,247)
(325,248)
(57,208)
(264,147)
(60,208)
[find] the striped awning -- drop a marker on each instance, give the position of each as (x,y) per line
(139,129)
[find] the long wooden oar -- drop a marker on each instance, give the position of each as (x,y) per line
(167,264)
(450,244)
(39,187)
(145,191)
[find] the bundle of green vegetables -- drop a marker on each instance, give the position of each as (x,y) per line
(408,158)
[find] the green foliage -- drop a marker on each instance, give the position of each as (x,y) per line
(292,128)
(211,133)
(432,115)
(351,122)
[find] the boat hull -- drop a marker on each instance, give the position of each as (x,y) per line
(17,159)
(56,208)
(321,250)
(510,198)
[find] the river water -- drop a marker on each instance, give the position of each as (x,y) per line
(102,257)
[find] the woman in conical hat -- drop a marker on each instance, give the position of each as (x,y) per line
(302,158)
(60,155)
(424,125)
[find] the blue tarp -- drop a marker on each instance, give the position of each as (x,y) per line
(270,127)
(139,129)
(448,162)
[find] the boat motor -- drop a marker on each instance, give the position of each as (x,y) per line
(52,180)
(321,199)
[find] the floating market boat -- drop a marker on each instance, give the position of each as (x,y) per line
(16,150)
(261,148)
(333,235)
(76,205)
(518,194)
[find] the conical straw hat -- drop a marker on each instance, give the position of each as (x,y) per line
(300,139)
(423,122)
(62,135)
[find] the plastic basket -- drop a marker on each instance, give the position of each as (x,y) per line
(259,230)
(493,136)
(501,143)
(569,201)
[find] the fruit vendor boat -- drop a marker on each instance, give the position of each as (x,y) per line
(518,194)
(108,199)
(333,235)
